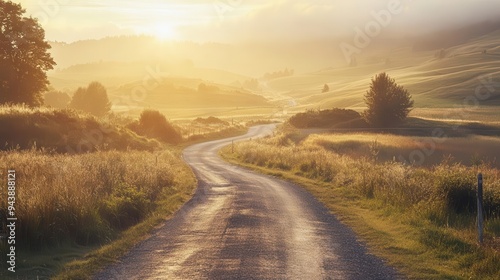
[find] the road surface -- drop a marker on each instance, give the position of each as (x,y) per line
(244,225)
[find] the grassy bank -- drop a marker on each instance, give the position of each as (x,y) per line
(85,187)
(65,131)
(420,219)
(82,201)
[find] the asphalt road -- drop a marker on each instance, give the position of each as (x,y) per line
(244,225)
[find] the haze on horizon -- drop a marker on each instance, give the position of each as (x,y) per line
(238,20)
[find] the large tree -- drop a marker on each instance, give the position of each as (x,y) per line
(388,103)
(24,57)
(92,99)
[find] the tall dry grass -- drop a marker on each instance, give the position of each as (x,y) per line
(86,198)
(441,192)
(439,201)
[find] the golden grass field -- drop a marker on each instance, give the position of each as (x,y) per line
(66,202)
(419,218)
(83,183)
(469,150)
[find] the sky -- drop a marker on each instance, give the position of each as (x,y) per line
(256,20)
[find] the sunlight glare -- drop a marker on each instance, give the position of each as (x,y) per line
(161,30)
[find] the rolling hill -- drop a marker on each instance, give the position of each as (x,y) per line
(434,82)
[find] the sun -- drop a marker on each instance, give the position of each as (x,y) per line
(161,30)
(164,32)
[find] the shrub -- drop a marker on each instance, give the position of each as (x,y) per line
(154,124)
(211,120)
(456,186)
(328,119)
(126,206)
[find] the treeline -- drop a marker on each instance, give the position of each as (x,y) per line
(91,99)
(278,74)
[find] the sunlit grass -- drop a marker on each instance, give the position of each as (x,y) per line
(88,199)
(420,218)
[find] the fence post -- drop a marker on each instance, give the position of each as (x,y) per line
(480,207)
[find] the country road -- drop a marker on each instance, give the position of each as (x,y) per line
(244,225)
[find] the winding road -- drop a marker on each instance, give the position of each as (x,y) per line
(245,225)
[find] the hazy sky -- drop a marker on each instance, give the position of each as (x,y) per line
(237,20)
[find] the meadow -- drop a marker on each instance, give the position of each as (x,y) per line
(87,188)
(88,199)
(420,218)
(471,150)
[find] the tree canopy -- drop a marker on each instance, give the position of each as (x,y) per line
(92,99)
(24,57)
(388,103)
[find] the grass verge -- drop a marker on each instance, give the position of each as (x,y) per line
(98,259)
(417,222)
(68,205)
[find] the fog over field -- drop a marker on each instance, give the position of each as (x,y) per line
(231,21)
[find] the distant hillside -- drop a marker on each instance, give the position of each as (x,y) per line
(113,73)
(179,93)
(249,59)
(433,81)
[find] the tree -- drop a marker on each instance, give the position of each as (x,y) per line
(388,103)
(92,99)
(24,57)
(56,99)
(326,88)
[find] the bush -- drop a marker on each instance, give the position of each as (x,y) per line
(154,124)
(339,118)
(126,206)
(456,186)
(211,120)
